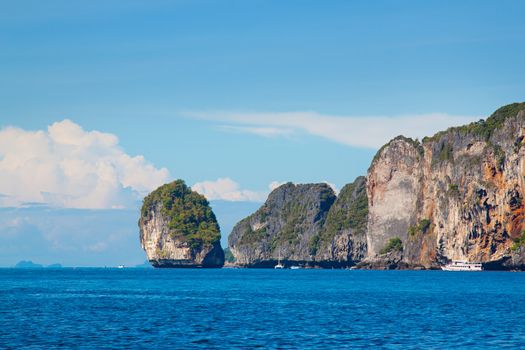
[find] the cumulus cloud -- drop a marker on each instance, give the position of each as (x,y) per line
(228,190)
(359,131)
(66,166)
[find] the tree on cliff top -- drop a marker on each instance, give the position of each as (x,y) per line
(190,216)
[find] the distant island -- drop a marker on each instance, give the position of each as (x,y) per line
(144,265)
(54,266)
(457,195)
(28,264)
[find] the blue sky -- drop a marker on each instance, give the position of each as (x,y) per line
(250,92)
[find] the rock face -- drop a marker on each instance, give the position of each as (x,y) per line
(304,224)
(342,239)
(178,228)
(394,185)
(283,226)
(457,195)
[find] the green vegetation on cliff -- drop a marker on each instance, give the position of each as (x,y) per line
(453,190)
(350,211)
(294,217)
(190,217)
(423,227)
(284,223)
(483,128)
(519,242)
(394,245)
(251,236)
(446,152)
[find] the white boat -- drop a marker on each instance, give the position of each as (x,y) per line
(279,265)
(462,265)
(295,267)
(120,267)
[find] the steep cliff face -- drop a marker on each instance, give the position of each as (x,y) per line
(394,185)
(178,228)
(457,195)
(305,224)
(283,227)
(342,240)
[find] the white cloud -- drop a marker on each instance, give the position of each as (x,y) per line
(259,130)
(66,166)
(369,132)
(228,190)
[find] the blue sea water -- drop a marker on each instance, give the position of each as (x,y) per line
(252,308)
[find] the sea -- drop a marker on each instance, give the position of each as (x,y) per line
(94,308)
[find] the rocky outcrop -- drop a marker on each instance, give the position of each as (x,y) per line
(342,239)
(178,228)
(304,225)
(456,195)
(393,185)
(283,227)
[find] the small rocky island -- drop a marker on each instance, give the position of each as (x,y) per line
(178,228)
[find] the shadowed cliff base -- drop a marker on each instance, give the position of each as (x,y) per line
(266,264)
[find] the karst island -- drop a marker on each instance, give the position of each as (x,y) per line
(456,195)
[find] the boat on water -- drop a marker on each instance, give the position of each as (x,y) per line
(120,267)
(279,265)
(462,265)
(295,267)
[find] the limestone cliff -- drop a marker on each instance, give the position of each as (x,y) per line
(283,226)
(305,224)
(341,241)
(456,195)
(178,228)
